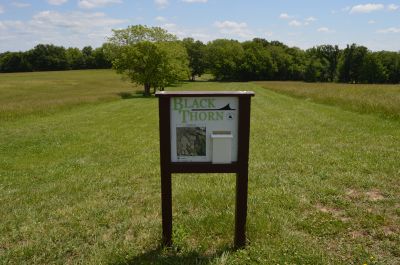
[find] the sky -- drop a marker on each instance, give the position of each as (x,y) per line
(300,23)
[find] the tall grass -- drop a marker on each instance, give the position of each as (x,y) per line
(381,99)
(22,94)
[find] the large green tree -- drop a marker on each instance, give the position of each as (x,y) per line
(174,64)
(316,70)
(196,51)
(48,57)
(330,54)
(75,58)
(14,62)
(350,63)
(257,63)
(372,70)
(149,56)
(225,57)
(391,62)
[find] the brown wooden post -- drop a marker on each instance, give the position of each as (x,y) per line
(166,205)
(242,174)
(166,182)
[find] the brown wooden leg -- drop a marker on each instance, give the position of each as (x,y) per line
(241,208)
(166,208)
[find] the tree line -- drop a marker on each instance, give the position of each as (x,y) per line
(48,57)
(260,59)
(155,58)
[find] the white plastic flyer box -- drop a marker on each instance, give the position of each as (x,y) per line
(221,147)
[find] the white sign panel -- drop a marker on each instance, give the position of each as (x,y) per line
(195,119)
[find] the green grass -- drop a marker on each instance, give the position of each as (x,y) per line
(381,99)
(82,185)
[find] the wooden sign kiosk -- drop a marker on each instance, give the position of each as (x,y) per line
(204,132)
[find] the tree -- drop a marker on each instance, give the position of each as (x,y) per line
(296,67)
(174,64)
(391,62)
(147,56)
(282,60)
(196,51)
(48,57)
(87,52)
(14,62)
(75,58)
(372,70)
(224,58)
(139,33)
(316,70)
(139,62)
(331,55)
(257,62)
(350,63)
(100,59)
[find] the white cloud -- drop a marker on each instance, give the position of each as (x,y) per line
(161,3)
(310,19)
(324,30)
(295,23)
(200,36)
(284,16)
(366,8)
(268,34)
(77,21)
(97,3)
(389,30)
(20,4)
(75,28)
(56,2)
(371,22)
(160,19)
(392,7)
(195,1)
(181,32)
(169,26)
(12,24)
(1,9)
(234,28)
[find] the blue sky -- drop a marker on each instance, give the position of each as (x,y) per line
(304,24)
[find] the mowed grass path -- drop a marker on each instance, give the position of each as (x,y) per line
(83,186)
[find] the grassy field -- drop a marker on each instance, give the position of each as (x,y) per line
(47,92)
(82,184)
(381,99)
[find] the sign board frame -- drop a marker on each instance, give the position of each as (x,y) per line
(240,167)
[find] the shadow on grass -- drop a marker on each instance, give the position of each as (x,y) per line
(172,256)
(134,95)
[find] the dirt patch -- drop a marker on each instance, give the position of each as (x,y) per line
(390,230)
(353,194)
(129,235)
(337,213)
(357,234)
(374,195)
